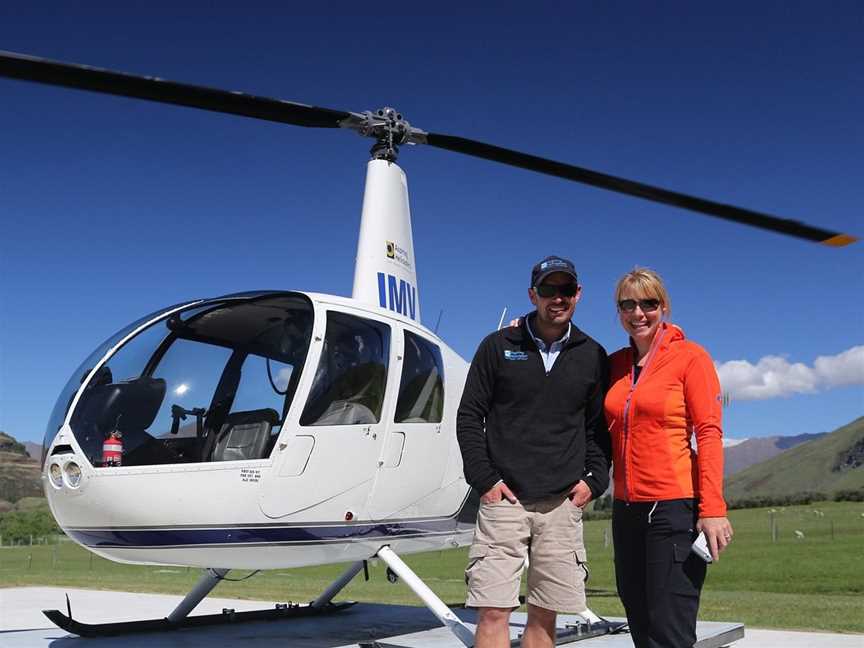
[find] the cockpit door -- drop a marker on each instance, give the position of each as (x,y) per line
(413,459)
(325,461)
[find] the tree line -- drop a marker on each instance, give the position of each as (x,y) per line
(602,508)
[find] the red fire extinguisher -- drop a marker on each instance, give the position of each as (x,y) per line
(112,449)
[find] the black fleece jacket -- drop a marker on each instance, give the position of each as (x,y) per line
(541,433)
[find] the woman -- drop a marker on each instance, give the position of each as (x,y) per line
(663,388)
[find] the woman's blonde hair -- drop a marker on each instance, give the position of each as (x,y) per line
(647,284)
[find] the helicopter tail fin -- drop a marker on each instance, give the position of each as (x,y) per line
(385,274)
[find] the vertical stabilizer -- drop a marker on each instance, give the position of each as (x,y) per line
(385,273)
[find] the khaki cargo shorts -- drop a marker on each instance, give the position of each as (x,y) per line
(557,568)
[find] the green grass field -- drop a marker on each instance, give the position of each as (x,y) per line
(814,583)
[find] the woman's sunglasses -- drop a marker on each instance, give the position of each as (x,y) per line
(548,290)
(647,305)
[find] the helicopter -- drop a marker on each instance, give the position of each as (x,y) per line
(276,429)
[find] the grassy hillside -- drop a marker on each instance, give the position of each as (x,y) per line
(828,464)
(19,473)
(752,451)
(10,444)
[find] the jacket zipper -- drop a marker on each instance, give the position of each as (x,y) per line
(627,496)
(654,347)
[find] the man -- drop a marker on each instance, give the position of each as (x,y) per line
(535,446)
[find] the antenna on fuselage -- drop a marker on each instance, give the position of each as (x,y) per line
(501,321)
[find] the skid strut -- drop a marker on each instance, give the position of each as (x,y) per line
(336,586)
(430,599)
(209,579)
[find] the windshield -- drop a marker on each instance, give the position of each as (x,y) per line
(211,382)
(64,400)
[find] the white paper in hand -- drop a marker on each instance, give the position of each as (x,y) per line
(700,548)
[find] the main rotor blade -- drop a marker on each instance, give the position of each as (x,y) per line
(30,68)
(638,189)
(83,77)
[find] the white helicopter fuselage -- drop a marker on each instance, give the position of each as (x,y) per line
(327,493)
(211,475)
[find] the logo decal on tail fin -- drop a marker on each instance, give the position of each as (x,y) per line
(397,294)
(398,254)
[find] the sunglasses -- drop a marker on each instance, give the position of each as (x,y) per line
(647,305)
(548,290)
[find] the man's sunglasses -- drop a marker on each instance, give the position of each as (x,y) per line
(647,305)
(549,290)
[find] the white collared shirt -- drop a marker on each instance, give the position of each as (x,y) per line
(550,353)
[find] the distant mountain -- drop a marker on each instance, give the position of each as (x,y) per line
(745,453)
(828,463)
(34,450)
(19,473)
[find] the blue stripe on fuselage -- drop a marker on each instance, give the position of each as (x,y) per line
(120,537)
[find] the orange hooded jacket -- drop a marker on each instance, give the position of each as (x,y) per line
(651,424)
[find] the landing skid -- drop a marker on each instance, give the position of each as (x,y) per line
(179,617)
(160,625)
(580,631)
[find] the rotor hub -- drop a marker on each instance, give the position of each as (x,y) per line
(389,128)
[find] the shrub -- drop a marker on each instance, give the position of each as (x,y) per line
(19,526)
(789,499)
(849,495)
(603,503)
(31,504)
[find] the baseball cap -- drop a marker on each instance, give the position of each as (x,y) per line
(550,265)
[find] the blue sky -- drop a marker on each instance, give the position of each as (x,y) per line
(112,208)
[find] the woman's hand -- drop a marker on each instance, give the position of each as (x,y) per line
(718,533)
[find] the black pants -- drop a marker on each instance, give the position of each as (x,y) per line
(659,579)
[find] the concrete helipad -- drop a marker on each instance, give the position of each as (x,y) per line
(22,625)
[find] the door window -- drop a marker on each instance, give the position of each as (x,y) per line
(349,383)
(421,387)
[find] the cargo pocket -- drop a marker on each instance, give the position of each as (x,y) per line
(582,560)
(688,573)
(476,554)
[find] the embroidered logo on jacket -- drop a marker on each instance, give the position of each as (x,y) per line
(515,355)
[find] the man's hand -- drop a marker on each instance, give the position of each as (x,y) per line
(718,533)
(497,493)
(580,494)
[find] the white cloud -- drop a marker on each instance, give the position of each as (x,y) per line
(845,368)
(727,442)
(775,376)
